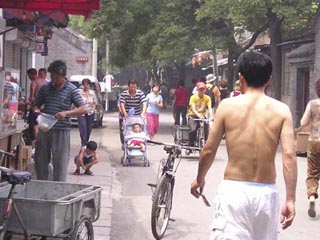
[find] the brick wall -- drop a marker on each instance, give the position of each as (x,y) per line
(67,45)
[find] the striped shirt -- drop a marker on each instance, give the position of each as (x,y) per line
(58,100)
(133,102)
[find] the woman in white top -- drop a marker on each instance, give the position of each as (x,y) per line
(85,121)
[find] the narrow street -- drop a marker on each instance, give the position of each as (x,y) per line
(131,209)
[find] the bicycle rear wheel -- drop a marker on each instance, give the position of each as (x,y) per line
(161,206)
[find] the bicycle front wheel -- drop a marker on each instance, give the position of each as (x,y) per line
(161,206)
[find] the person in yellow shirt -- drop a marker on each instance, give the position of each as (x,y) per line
(199,104)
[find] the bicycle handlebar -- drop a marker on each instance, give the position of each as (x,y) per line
(174,145)
(203,120)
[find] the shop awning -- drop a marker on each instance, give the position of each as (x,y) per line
(75,7)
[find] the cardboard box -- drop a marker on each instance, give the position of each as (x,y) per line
(26,152)
(302,141)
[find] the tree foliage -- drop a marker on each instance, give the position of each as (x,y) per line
(166,32)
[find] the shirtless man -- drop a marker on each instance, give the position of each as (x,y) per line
(37,82)
(32,117)
(312,115)
(247,202)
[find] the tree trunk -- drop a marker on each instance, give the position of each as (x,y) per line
(230,69)
(316,74)
(275,38)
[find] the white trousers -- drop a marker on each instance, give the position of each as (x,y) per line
(245,211)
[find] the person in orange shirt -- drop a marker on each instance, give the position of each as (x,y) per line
(213,91)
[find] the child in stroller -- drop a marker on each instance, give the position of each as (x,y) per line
(135,140)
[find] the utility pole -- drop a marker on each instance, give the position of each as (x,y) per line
(106,78)
(94,56)
(215,65)
(107,55)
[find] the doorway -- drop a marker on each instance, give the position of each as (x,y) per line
(302,93)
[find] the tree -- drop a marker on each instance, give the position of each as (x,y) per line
(256,16)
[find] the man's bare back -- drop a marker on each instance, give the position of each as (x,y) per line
(312,116)
(253,125)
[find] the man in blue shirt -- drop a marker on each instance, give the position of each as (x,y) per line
(57,97)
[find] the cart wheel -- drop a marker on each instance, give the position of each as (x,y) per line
(8,236)
(83,230)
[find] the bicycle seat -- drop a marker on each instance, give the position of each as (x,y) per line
(18,177)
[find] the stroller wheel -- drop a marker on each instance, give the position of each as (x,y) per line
(146,162)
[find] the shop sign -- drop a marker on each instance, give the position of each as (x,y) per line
(40,47)
(82,59)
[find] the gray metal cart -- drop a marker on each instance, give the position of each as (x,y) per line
(53,209)
(181,135)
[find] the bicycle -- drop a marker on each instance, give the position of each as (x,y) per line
(200,140)
(163,194)
(13,178)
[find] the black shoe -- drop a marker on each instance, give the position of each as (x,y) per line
(312,207)
(88,172)
(188,152)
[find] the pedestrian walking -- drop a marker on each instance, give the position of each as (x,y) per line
(85,121)
(155,102)
(57,98)
(32,117)
(180,103)
(213,91)
(247,201)
(236,89)
(131,101)
(36,83)
(311,117)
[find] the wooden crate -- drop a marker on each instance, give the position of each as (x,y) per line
(25,157)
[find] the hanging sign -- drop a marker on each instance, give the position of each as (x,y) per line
(40,47)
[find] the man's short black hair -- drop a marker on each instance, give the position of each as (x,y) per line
(58,67)
(32,71)
(132,81)
(181,83)
(255,67)
(42,70)
(92,145)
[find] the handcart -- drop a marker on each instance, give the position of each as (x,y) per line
(181,135)
(52,209)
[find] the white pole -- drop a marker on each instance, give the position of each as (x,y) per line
(94,56)
(107,70)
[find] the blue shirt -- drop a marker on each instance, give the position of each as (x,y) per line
(58,100)
(152,103)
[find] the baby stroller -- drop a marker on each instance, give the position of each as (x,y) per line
(134,152)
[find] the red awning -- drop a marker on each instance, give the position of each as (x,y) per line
(76,7)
